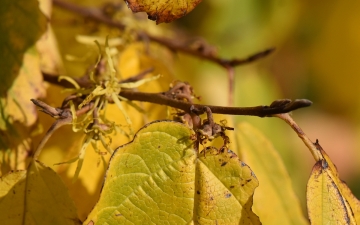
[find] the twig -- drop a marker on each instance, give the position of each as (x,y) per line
(261,111)
(231,85)
(84,81)
(98,15)
(138,76)
(165,98)
(87,12)
(313,147)
(54,79)
(62,116)
(226,63)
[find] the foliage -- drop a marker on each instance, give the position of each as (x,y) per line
(178,187)
(37,185)
(178,162)
(327,191)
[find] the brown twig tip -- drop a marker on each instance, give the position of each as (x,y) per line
(286,105)
(297,104)
(252,58)
(53,112)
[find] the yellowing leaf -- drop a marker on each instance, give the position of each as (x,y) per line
(274,201)
(134,60)
(163,11)
(35,196)
(85,191)
(28,84)
(224,190)
(21,25)
(158,178)
(329,199)
(47,46)
(17,107)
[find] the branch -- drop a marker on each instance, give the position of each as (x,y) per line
(99,16)
(261,111)
(62,116)
(313,147)
(164,98)
(176,46)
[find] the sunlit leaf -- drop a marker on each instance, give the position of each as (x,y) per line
(275,189)
(329,199)
(224,190)
(47,46)
(35,196)
(158,179)
(28,84)
(163,11)
(21,25)
(18,113)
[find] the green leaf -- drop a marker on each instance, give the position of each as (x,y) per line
(21,26)
(159,178)
(163,10)
(35,196)
(275,192)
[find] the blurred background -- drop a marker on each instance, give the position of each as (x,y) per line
(317,52)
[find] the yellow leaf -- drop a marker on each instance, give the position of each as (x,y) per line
(275,192)
(224,190)
(47,46)
(163,11)
(21,25)
(18,113)
(35,196)
(329,199)
(28,84)
(159,178)
(64,145)
(134,60)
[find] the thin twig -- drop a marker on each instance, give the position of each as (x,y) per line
(313,147)
(226,63)
(138,76)
(231,85)
(56,125)
(54,79)
(87,12)
(62,116)
(98,15)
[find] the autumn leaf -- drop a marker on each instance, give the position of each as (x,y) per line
(329,200)
(18,114)
(21,26)
(28,84)
(35,196)
(275,189)
(18,33)
(158,178)
(224,175)
(163,11)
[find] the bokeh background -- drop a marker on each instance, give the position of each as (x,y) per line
(317,57)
